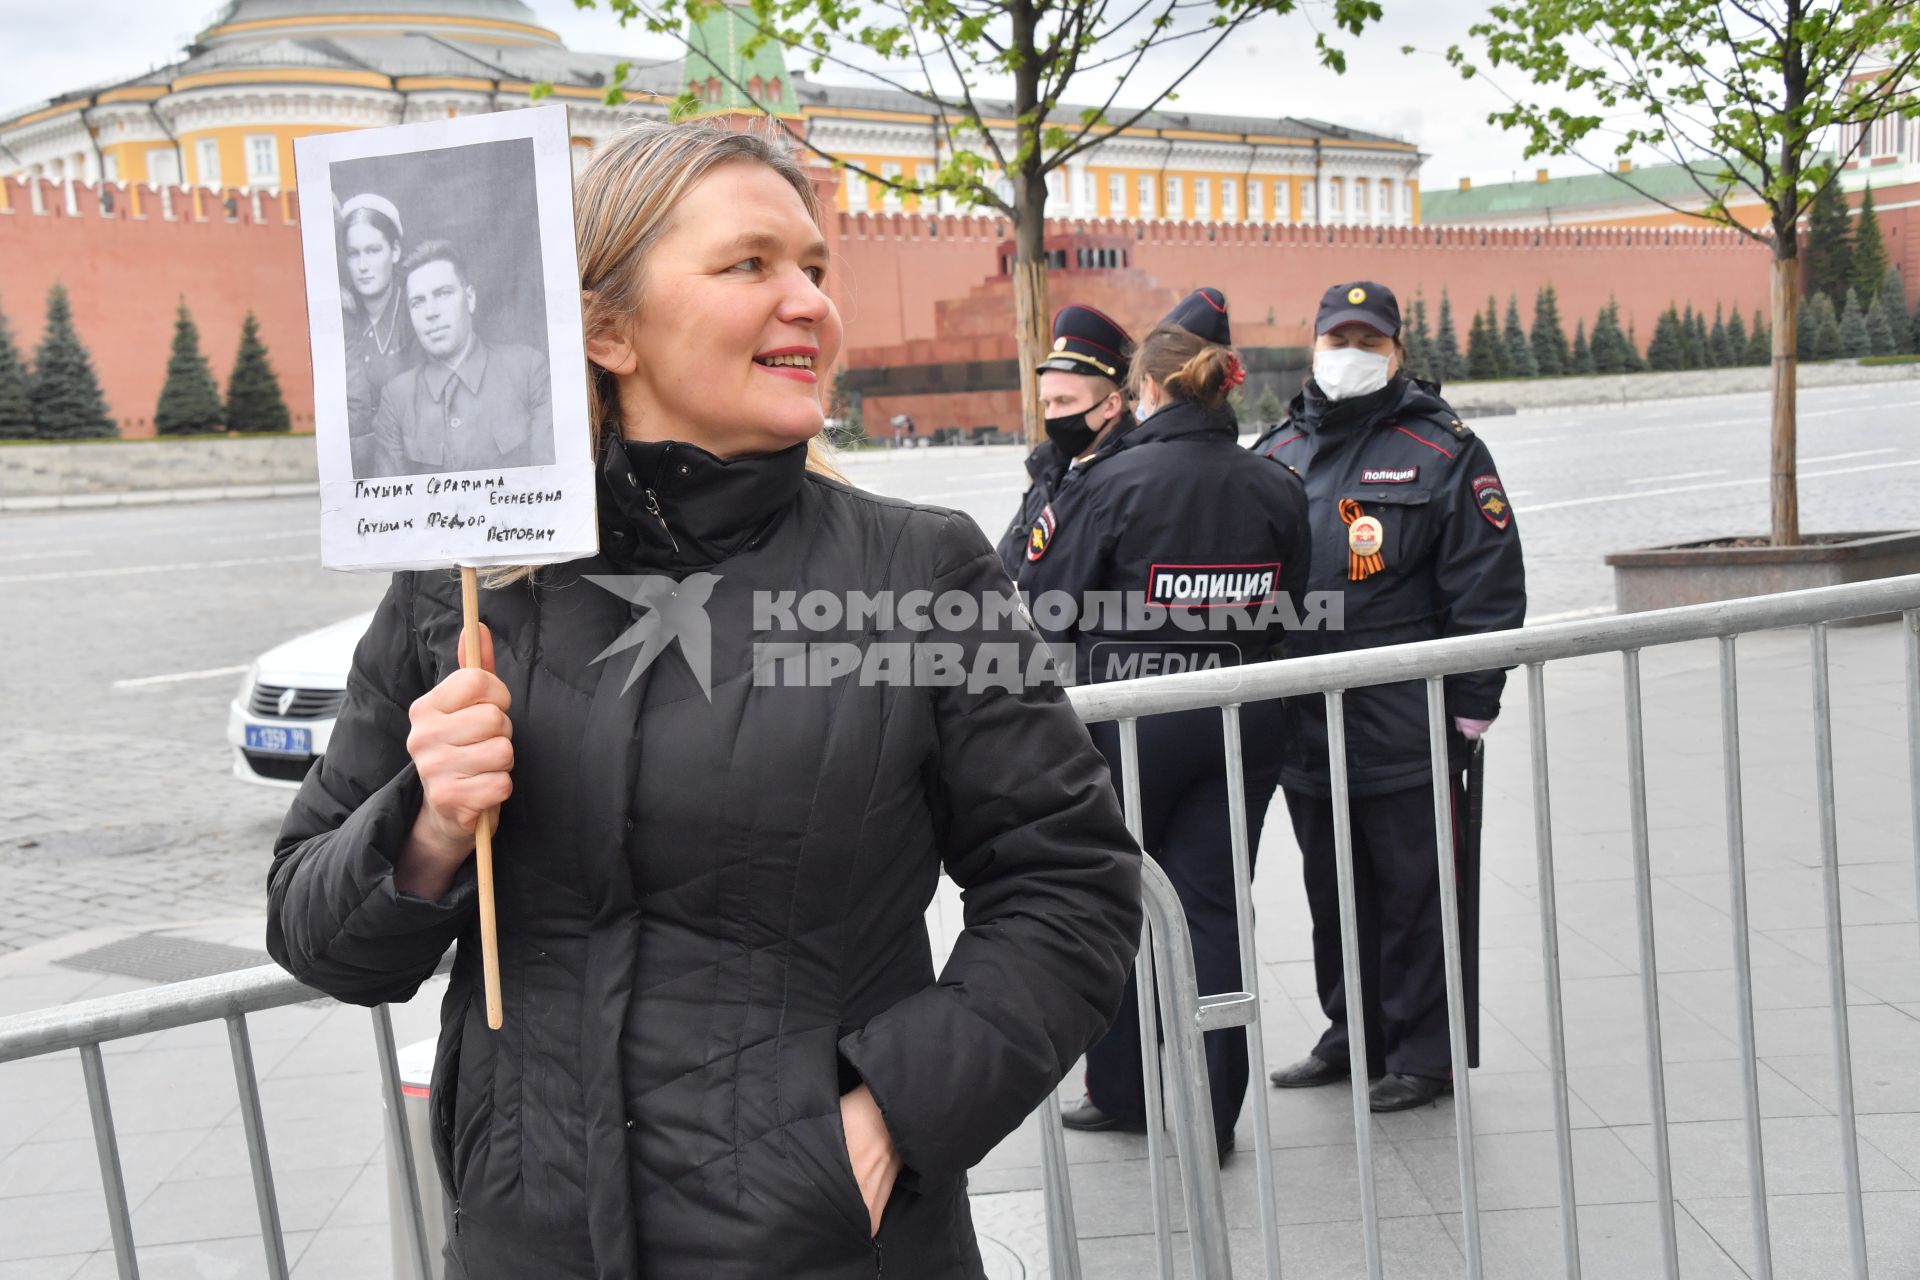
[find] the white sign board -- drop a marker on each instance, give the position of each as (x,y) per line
(449,368)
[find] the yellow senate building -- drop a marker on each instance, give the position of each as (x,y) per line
(224,114)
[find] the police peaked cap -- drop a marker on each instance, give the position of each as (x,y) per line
(1358,302)
(1086,342)
(1203,313)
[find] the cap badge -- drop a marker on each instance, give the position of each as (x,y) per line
(1059,344)
(1356,295)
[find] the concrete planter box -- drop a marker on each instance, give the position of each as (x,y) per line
(1698,573)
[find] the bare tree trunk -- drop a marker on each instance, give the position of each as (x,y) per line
(1786,493)
(1033,323)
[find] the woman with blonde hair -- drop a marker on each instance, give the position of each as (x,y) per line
(725,1052)
(1207,547)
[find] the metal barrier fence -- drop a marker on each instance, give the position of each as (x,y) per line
(1330,677)
(1185,1014)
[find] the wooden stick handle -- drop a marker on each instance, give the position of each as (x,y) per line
(483,833)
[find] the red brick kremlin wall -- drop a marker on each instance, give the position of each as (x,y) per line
(125,269)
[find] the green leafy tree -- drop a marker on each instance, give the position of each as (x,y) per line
(1829,268)
(16,404)
(1483,360)
(1893,300)
(1550,353)
(1880,338)
(1759,343)
(1722,353)
(997,154)
(189,400)
(1449,365)
(1743,94)
(1667,351)
(1869,266)
(1828,342)
(254,402)
(1582,353)
(67,404)
(1519,348)
(1853,328)
(1269,407)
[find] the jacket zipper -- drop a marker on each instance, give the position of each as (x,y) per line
(456,1217)
(653,509)
(878,1268)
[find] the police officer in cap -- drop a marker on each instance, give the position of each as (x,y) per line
(1173,548)
(1412,524)
(1082,395)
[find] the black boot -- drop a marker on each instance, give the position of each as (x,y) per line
(1399,1092)
(1087,1118)
(1308,1073)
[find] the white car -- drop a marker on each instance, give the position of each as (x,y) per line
(279,721)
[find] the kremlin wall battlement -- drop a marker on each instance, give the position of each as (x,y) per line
(905,282)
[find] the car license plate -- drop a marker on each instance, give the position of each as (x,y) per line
(278,741)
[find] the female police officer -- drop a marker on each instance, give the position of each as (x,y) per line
(1081,383)
(1183,527)
(1411,522)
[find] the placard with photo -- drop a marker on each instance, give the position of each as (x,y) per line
(449,366)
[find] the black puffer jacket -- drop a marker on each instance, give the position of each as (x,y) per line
(711,909)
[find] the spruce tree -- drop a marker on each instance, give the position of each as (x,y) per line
(1635,362)
(1448,364)
(1520,361)
(1738,352)
(1913,331)
(1483,362)
(1697,335)
(1880,330)
(1689,350)
(1491,326)
(1806,325)
(1413,337)
(190,399)
(1722,353)
(1667,351)
(1869,266)
(16,406)
(67,404)
(1829,247)
(1268,408)
(1759,343)
(1893,299)
(1611,354)
(254,402)
(1854,338)
(1828,344)
(1549,339)
(1582,353)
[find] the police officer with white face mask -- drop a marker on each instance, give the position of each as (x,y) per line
(1412,524)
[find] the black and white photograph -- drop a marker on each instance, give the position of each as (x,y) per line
(443,300)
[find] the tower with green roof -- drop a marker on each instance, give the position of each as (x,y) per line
(724,78)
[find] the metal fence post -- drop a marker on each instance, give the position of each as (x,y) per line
(106,1145)
(1144,983)
(1444,836)
(415,1224)
(265,1199)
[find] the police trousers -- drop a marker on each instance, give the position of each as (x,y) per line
(1184,827)
(1396,885)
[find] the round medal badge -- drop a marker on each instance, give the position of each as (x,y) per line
(1364,535)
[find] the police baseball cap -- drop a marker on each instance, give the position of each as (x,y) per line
(1203,313)
(1086,342)
(1359,302)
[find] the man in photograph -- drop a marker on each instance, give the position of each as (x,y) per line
(470,405)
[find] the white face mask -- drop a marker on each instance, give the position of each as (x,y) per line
(1348,372)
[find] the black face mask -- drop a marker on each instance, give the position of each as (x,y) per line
(1071,434)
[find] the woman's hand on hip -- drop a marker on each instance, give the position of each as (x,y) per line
(876,1164)
(462,745)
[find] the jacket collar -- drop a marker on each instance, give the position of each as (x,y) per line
(1314,413)
(1182,420)
(471,368)
(674,504)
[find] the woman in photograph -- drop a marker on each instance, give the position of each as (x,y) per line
(380,339)
(726,1054)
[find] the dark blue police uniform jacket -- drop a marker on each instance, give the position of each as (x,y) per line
(1451,566)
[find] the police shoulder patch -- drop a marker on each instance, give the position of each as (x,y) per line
(1491,498)
(1040,537)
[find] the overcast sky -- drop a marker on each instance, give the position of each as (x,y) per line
(1269,69)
